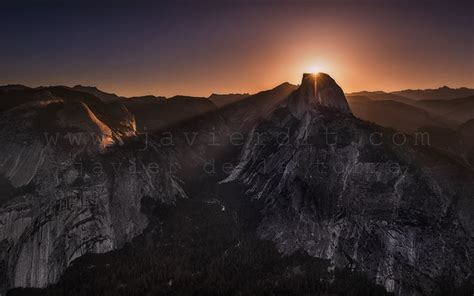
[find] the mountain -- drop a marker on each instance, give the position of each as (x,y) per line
(456,110)
(398,213)
(65,192)
(242,114)
(441,121)
(77,199)
(381,96)
(221,100)
(409,95)
(103,96)
(442,93)
(155,113)
(67,151)
(457,142)
(388,113)
(19,95)
(467,130)
(141,100)
(449,108)
(357,99)
(283,192)
(13,87)
(467,127)
(318,90)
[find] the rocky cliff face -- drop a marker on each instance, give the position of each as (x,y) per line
(74,174)
(72,188)
(73,211)
(317,89)
(352,192)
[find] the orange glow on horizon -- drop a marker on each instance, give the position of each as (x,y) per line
(317,68)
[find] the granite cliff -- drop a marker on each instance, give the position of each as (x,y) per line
(357,194)
(72,183)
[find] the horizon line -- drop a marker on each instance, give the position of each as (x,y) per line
(226,93)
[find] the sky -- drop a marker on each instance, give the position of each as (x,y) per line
(203,47)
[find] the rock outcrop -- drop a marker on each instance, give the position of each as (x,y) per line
(74,186)
(318,89)
(349,191)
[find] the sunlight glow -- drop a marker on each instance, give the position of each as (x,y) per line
(316,66)
(315,69)
(309,63)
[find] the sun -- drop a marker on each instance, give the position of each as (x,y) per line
(312,65)
(314,69)
(316,65)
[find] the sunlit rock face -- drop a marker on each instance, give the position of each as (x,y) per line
(318,90)
(81,117)
(395,212)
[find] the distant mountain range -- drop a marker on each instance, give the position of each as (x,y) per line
(438,112)
(451,106)
(442,93)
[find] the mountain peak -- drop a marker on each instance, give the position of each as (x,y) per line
(318,89)
(102,95)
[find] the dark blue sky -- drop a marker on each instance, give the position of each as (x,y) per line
(200,47)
